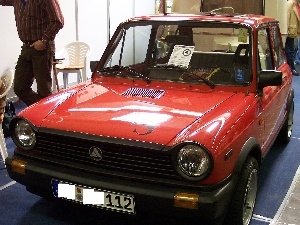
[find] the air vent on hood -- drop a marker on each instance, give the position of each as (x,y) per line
(144,93)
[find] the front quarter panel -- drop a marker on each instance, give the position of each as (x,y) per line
(224,131)
(47,105)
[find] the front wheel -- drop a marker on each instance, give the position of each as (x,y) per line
(243,199)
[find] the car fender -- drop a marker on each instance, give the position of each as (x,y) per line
(251,147)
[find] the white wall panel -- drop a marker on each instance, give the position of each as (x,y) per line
(144,7)
(92,25)
(10,44)
(120,11)
(277,9)
(67,33)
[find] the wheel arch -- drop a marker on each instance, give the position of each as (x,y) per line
(250,148)
(290,98)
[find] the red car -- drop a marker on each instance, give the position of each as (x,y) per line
(177,118)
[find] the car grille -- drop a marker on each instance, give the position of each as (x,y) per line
(117,159)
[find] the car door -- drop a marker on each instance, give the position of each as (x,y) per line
(271,57)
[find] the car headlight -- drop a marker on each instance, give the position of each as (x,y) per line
(194,162)
(23,134)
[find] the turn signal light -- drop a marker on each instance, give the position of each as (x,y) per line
(186,200)
(18,166)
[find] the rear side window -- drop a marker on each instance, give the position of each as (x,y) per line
(264,52)
(278,51)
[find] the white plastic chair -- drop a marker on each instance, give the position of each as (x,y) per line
(7,81)
(77,53)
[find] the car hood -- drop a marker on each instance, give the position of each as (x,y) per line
(151,115)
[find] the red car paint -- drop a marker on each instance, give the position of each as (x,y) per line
(231,119)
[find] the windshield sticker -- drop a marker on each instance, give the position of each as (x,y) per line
(239,75)
(243,35)
(181,56)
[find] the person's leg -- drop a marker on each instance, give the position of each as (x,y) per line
(297,57)
(42,67)
(289,51)
(290,54)
(33,64)
(23,78)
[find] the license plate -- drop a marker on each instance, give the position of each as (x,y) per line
(90,196)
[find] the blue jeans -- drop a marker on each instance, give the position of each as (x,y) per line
(290,52)
(297,56)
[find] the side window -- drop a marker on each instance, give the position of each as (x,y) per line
(278,53)
(264,57)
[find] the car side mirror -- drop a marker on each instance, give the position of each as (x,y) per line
(269,78)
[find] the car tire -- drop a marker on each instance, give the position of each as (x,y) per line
(285,133)
(243,199)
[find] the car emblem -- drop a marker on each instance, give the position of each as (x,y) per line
(96,153)
(144,130)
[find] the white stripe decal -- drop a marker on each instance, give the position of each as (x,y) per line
(283,204)
(296,138)
(261,218)
(286,199)
(7,185)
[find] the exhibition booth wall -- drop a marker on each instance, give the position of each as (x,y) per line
(94,22)
(90,21)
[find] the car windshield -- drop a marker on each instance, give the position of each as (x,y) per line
(192,52)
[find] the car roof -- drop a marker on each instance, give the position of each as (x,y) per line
(245,19)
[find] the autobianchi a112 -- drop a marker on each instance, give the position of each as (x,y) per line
(176,119)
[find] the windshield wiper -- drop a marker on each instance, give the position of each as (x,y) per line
(208,82)
(128,69)
(169,66)
(204,79)
(172,66)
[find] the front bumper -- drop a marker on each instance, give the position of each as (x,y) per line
(149,197)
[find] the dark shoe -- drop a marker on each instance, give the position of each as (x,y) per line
(295,73)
